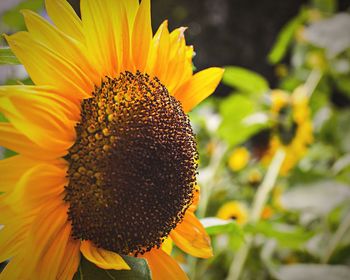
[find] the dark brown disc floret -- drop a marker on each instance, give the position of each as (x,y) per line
(132,169)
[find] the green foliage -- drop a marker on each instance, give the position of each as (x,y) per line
(7,57)
(215,226)
(287,236)
(326,6)
(343,83)
(244,80)
(139,270)
(235,127)
(2,118)
(285,37)
(14,19)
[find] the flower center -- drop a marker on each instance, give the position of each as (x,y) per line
(132,169)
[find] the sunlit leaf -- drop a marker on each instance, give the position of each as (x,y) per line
(214,226)
(7,57)
(286,235)
(139,270)
(235,111)
(285,37)
(244,80)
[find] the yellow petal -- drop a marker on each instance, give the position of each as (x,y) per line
(60,43)
(98,30)
(44,121)
(200,86)
(64,17)
(48,265)
(102,258)
(179,66)
(46,231)
(70,262)
(159,53)
(142,35)
(38,184)
(12,271)
(35,234)
(167,245)
(177,39)
(11,238)
(50,258)
(46,67)
(14,140)
(121,32)
(190,236)
(7,213)
(11,169)
(196,194)
(51,220)
(131,7)
(163,266)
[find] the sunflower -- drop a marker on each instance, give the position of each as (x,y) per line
(293,128)
(106,156)
(233,210)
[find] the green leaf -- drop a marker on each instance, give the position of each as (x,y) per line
(285,37)
(234,128)
(214,226)
(14,19)
(139,270)
(325,6)
(244,80)
(7,57)
(8,153)
(287,236)
(2,118)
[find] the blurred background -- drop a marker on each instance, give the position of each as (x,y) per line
(274,139)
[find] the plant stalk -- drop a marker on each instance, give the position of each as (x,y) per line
(259,202)
(336,238)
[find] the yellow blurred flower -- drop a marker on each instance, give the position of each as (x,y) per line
(234,210)
(293,129)
(254,177)
(238,159)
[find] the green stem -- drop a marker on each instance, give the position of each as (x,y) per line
(266,186)
(336,238)
(312,81)
(259,202)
